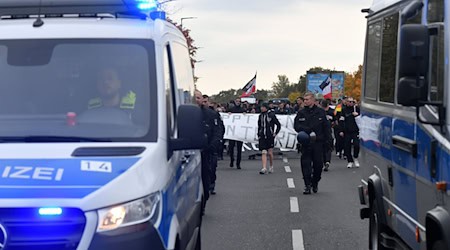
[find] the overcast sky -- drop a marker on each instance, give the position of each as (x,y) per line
(272,37)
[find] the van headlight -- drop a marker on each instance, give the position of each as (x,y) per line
(130,213)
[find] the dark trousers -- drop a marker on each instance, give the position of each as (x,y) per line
(351,138)
(221,147)
(206,176)
(213,177)
(312,163)
(339,142)
(231,145)
(327,155)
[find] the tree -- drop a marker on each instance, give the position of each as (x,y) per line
(283,88)
(190,42)
(352,85)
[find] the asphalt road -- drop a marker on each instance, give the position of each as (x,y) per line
(253,211)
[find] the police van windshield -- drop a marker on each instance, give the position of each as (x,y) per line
(92,89)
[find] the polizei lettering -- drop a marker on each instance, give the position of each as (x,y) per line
(35,173)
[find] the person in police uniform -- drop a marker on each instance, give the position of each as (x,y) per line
(313,121)
(109,87)
(214,134)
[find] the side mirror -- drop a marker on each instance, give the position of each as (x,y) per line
(191,134)
(413,68)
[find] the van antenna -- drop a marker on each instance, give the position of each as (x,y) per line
(38,23)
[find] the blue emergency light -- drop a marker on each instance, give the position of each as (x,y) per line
(147,4)
(48,211)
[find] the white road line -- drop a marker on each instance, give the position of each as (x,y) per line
(288,169)
(290,182)
(297,240)
(285,159)
(294,205)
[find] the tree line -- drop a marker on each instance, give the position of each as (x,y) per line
(284,88)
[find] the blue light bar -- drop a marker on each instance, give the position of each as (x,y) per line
(50,211)
(147,4)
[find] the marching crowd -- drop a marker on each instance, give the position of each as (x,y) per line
(322,126)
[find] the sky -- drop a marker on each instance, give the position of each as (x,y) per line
(238,38)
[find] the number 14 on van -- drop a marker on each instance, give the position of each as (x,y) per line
(96,166)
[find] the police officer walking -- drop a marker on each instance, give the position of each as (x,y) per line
(214,134)
(312,121)
(214,155)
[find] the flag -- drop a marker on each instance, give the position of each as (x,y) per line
(249,88)
(325,86)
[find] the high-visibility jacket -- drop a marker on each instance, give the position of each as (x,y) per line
(128,101)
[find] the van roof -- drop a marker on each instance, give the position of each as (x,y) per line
(45,7)
(378,5)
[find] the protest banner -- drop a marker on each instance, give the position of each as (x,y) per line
(244,127)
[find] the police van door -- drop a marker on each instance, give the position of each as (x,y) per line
(175,158)
(192,160)
(188,160)
(402,170)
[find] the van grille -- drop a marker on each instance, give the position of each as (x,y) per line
(26,229)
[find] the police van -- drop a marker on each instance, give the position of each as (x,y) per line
(99,139)
(405,122)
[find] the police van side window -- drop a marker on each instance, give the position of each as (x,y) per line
(435,19)
(372,60)
(388,58)
(435,11)
(183,73)
(170,100)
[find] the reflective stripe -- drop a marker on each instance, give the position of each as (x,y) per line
(127,102)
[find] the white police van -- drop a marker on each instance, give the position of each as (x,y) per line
(405,125)
(98,138)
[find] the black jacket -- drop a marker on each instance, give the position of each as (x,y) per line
(313,120)
(350,125)
(238,109)
(266,125)
(213,129)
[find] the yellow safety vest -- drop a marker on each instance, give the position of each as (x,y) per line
(127,102)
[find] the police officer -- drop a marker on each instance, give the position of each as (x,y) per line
(111,95)
(214,155)
(312,120)
(214,134)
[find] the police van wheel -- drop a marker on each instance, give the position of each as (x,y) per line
(375,228)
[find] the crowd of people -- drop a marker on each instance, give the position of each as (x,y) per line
(322,126)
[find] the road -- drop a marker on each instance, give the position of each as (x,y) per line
(253,211)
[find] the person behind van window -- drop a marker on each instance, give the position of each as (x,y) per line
(351,132)
(111,94)
(109,87)
(330,118)
(311,120)
(237,108)
(214,155)
(266,136)
(214,133)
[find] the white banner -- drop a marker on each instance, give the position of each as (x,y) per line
(244,127)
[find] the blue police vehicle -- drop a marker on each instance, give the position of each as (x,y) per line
(99,139)
(404,128)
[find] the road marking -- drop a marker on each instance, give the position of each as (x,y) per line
(297,240)
(294,205)
(290,182)
(288,169)
(285,159)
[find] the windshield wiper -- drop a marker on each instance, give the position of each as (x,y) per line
(51,139)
